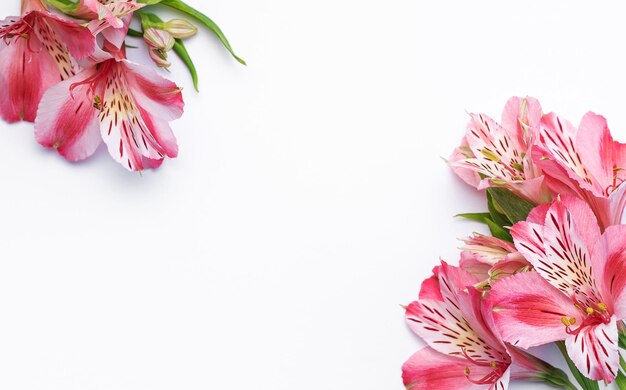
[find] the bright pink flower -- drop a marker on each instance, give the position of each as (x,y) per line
(109,17)
(577,291)
(37,51)
(463,351)
(125,104)
(502,153)
(585,162)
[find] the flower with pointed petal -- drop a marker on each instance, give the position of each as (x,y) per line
(577,293)
(37,51)
(493,154)
(463,351)
(125,104)
(585,162)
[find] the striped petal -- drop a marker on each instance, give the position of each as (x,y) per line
(594,351)
(560,249)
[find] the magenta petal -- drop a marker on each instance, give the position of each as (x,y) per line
(528,317)
(429,369)
(24,77)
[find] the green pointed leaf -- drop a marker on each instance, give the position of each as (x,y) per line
(180,49)
(512,206)
(585,383)
(478,217)
(202,18)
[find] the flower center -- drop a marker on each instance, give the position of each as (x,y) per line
(498,369)
(594,314)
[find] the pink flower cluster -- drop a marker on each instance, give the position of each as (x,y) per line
(556,270)
(71,77)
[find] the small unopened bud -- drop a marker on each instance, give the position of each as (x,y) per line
(159,43)
(180,28)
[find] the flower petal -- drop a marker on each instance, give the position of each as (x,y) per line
(594,351)
(561,249)
(522,116)
(24,77)
(429,369)
(528,317)
(68,121)
(613,281)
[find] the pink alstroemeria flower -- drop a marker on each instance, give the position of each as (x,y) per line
(577,292)
(585,162)
(490,259)
(463,351)
(502,153)
(109,17)
(37,51)
(125,104)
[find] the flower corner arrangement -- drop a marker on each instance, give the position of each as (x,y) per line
(63,66)
(551,271)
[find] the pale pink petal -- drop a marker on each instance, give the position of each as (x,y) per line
(470,176)
(594,351)
(472,263)
(529,316)
(68,121)
(521,116)
(594,144)
(429,369)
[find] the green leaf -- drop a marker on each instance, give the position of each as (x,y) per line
(585,383)
(496,216)
(135,33)
(498,231)
(65,6)
(512,206)
(620,380)
(478,217)
(202,18)
(180,49)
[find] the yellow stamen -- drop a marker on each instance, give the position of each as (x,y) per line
(493,364)
(602,306)
(467,371)
(589,310)
(490,155)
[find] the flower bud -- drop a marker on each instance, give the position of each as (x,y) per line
(159,43)
(180,28)
(158,39)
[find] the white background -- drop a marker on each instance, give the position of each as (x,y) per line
(309,199)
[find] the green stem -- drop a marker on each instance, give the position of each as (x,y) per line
(585,383)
